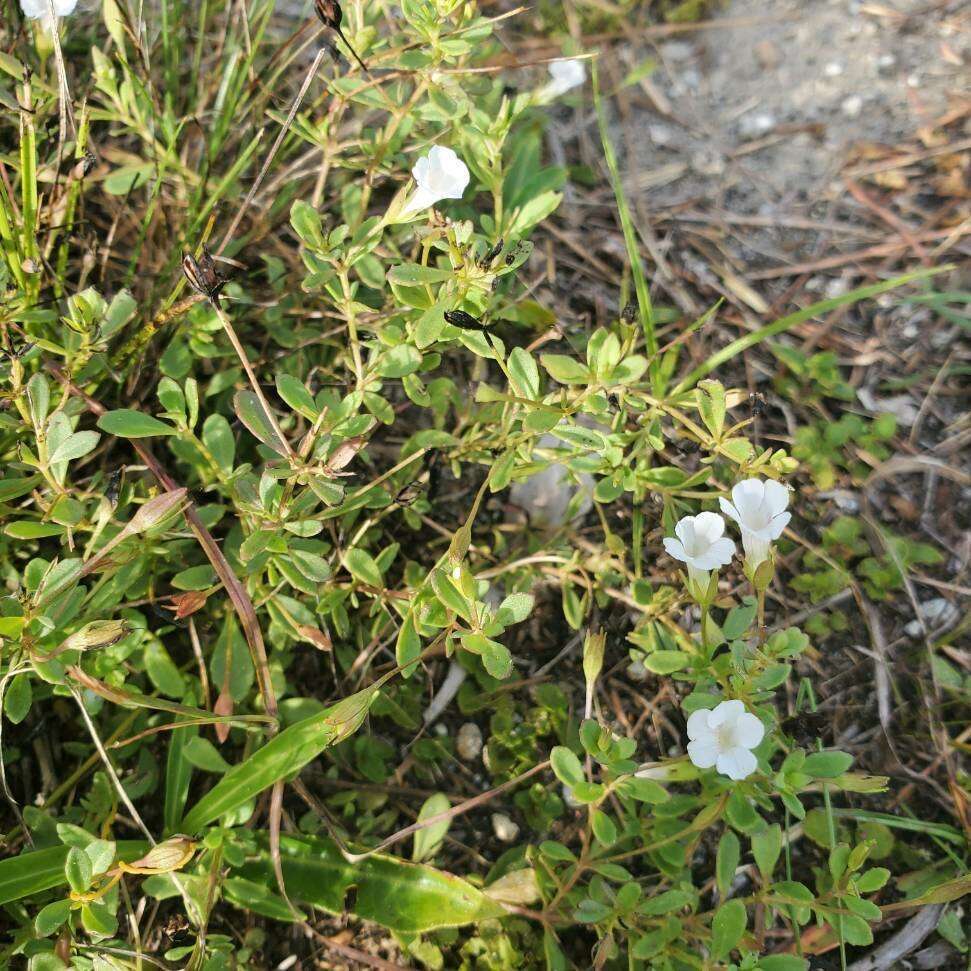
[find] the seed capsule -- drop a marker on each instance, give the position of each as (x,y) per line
(459,318)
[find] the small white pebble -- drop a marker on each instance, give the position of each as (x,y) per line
(504,828)
(468,742)
(852,106)
(833,70)
(570,799)
(637,672)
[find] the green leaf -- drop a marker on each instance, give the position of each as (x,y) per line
(162,671)
(565,369)
(361,566)
(16,701)
(398,361)
(782,962)
(128,423)
(178,776)
(201,753)
(294,392)
(39,870)
(408,646)
(74,447)
(412,274)
(566,766)
(78,869)
(766,847)
(523,373)
(726,862)
(827,765)
(727,928)
(495,657)
(666,662)
(52,917)
(284,755)
(249,409)
(408,898)
(428,840)
(217,436)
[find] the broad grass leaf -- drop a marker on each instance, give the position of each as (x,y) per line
(284,755)
(408,898)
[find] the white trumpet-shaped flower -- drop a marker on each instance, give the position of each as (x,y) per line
(759,508)
(724,737)
(565,76)
(701,544)
(440,174)
(41,9)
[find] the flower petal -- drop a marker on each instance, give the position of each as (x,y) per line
(709,526)
(778,524)
(736,763)
(704,752)
(749,730)
(747,496)
(729,510)
(675,548)
(684,529)
(776,497)
(698,723)
(718,554)
(726,713)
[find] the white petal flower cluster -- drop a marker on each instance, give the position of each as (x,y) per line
(724,737)
(759,508)
(440,174)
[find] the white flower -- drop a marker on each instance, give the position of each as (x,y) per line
(41,9)
(440,174)
(566,75)
(701,544)
(724,738)
(759,509)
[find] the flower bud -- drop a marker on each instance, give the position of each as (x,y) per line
(99,633)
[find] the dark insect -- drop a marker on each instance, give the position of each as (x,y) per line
(174,927)
(459,318)
(629,314)
(492,253)
(330,14)
(756,403)
(806,726)
(408,493)
(202,274)
(114,486)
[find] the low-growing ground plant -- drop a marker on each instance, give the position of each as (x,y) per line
(322,538)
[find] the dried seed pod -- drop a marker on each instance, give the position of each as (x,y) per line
(459,318)
(329,12)
(330,15)
(171,855)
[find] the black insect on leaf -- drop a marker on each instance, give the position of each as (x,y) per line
(330,15)
(492,253)
(459,318)
(202,274)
